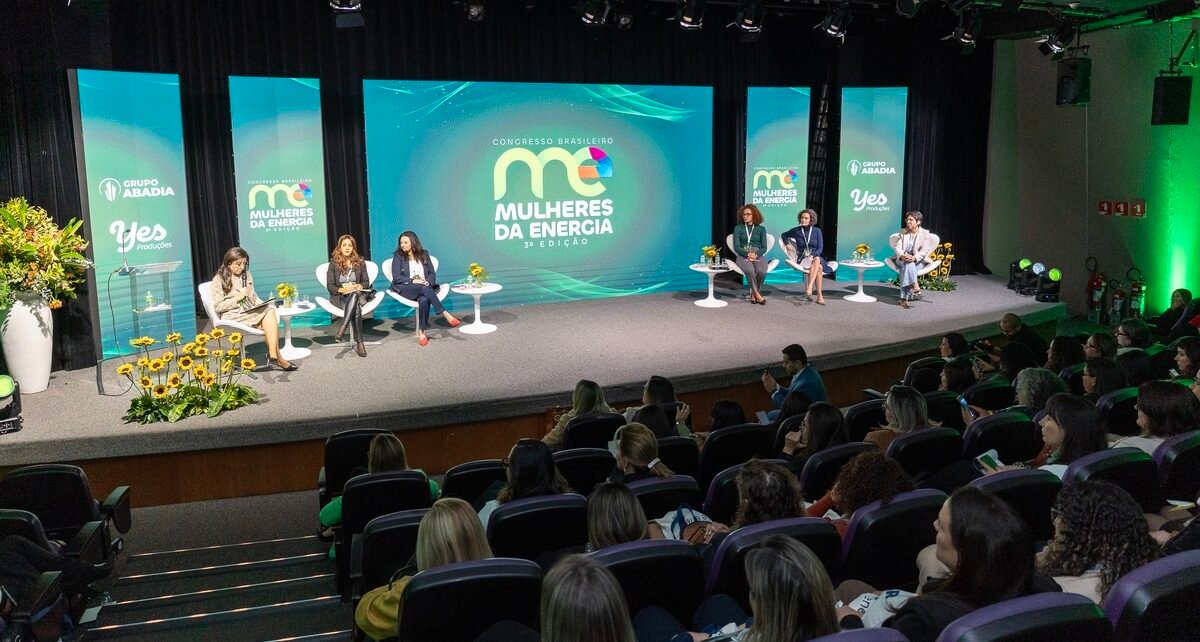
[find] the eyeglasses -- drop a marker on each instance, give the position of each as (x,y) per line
(1121,333)
(1089,375)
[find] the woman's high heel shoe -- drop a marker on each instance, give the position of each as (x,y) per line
(289,368)
(423,340)
(360,349)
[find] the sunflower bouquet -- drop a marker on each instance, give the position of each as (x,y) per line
(710,254)
(287,292)
(938,280)
(477,275)
(201,377)
(861,251)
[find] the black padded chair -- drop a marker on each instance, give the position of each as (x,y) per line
(526,528)
(344,452)
(733,445)
(60,496)
(1011,433)
(881,542)
(992,394)
(458,602)
(388,543)
(1157,601)
(821,469)
(944,409)
(680,454)
(910,373)
(641,568)
(46,590)
(468,481)
(592,431)
(863,635)
(721,500)
(1118,411)
(660,495)
(728,573)
(1178,460)
(1130,468)
(1162,359)
(1044,617)
(791,424)
(925,451)
(1073,377)
(584,468)
(87,545)
(369,496)
(862,417)
(1030,492)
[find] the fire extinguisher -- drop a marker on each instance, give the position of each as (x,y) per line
(1118,302)
(1137,292)
(1094,290)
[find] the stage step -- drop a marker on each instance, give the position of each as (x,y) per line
(290,619)
(216,599)
(139,563)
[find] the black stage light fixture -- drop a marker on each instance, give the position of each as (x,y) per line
(1015,271)
(836,21)
(1056,43)
(347,14)
(10,414)
(475,10)
(1048,285)
(750,17)
(690,14)
(624,15)
(967,30)
(958,6)
(595,12)
(1170,9)
(1029,279)
(908,8)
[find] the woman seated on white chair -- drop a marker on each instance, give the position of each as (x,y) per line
(414,278)
(805,245)
(349,288)
(234,299)
(749,243)
(913,246)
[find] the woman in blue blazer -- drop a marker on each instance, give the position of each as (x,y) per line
(805,242)
(414,278)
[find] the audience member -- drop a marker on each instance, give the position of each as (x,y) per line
(587,399)
(957,375)
(1099,535)
(904,410)
(925,380)
(1195,386)
(795,404)
(1179,534)
(867,477)
(1172,317)
(1100,377)
(614,517)
(1187,357)
(953,345)
(824,426)
(766,491)
(1100,345)
(1034,386)
(1164,409)
(1013,358)
(804,377)
(637,455)
(1137,367)
(1071,428)
(725,413)
(1016,331)
(1064,352)
(531,473)
(1132,334)
(655,418)
(659,391)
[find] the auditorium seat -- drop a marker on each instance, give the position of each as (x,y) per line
(821,469)
(1073,377)
(728,573)
(458,602)
(1178,460)
(388,543)
(367,497)
(1012,434)
(592,431)
(863,635)
(881,542)
(1044,617)
(862,417)
(60,496)
(1031,494)
(1162,359)
(468,481)
(992,394)
(584,468)
(733,445)
(344,452)
(721,500)
(206,301)
(944,409)
(1157,601)
(44,593)
(663,572)
(680,454)
(526,528)
(1118,411)
(791,424)
(1129,468)
(87,545)
(660,495)
(925,451)
(924,363)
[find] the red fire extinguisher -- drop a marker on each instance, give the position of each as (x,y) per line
(1095,290)
(1118,302)
(1137,292)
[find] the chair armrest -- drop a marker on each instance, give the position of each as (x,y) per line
(872,393)
(321,479)
(356,546)
(89,544)
(46,591)
(116,508)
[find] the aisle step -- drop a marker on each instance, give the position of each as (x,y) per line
(271,616)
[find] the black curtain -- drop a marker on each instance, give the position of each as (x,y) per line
(205,41)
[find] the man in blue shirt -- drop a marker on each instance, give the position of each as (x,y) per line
(804,378)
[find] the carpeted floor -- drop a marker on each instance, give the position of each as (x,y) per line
(531,362)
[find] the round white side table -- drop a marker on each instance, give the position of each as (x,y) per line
(477,326)
(861,267)
(712,301)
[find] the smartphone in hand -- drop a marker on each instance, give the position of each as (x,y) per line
(962,402)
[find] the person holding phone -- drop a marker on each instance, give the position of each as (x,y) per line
(805,378)
(749,243)
(234,299)
(414,278)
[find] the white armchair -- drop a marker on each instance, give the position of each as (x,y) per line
(929,267)
(801,265)
(336,312)
(206,299)
(771,264)
(442,291)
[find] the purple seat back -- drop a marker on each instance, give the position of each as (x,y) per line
(731,446)
(583,468)
(435,602)
(862,417)
(665,572)
(389,542)
(1118,411)
(468,481)
(680,454)
(944,409)
(1158,600)
(1130,468)
(1045,617)
(1013,435)
(728,573)
(993,394)
(822,468)
(864,635)
(526,528)
(344,451)
(592,430)
(926,451)
(1178,460)
(881,542)
(660,495)
(1031,494)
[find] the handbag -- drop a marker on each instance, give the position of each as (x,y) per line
(378,612)
(684,524)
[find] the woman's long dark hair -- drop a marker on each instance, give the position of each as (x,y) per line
(958,344)
(418,250)
(532,473)
(828,427)
(1108,376)
(224,273)
(1171,408)
(995,550)
(959,375)
(1083,430)
(1065,351)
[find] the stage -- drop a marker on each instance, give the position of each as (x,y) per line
(528,365)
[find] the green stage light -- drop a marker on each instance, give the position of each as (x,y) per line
(1049,283)
(1025,263)
(10,415)
(1055,274)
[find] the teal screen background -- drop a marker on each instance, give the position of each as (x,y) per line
(777,120)
(432,152)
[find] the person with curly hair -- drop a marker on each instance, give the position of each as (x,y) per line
(1165,409)
(766,491)
(866,478)
(1099,535)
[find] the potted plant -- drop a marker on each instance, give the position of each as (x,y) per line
(41,265)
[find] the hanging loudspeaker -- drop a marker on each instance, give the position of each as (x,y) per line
(1172,100)
(1074,81)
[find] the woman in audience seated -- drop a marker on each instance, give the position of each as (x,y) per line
(637,455)
(790,600)
(660,391)
(1100,377)
(1171,317)
(1064,352)
(655,418)
(989,553)
(531,473)
(449,533)
(1100,345)
(1014,358)
(804,244)
(904,410)
(796,403)
(957,375)
(234,299)
(614,517)
(913,246)
(1180,533)
(1187,357)
(824,426)
(766,491)
(725,413)
(587,399)
(386,453)
(1033,387)
(1071,428)
(868,477)
(414,278)
(749,245)
(1164,409)
(953,345)
(1138,368)
(1099,535)
(349,288)
(1133,334)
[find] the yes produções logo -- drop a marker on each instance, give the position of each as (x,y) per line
(129,234)
(577,172)
(296,193)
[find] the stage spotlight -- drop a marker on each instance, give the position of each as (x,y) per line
(347,14)
(1048,284)
(1056,43)
(835,22)
(690,14)
(908,8)
(1029,279)
(10,415)
(1015,271)
(475,10)
(624,15)
(595,12)
(967,30)
(750,17)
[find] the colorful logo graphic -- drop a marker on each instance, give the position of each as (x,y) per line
(599,165)
(297,194)
(110,188)
(786,179)
(302,192)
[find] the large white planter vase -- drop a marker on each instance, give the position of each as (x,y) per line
(27,334)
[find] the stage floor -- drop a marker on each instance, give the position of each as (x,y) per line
(529,364)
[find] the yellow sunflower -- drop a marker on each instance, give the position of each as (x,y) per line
(248,364)
(210,379)
(160,390)
(143,362)
(199,371)
(231,353)
(174,380)
(167,356)
(218,353)
(217,333)
(201,339)
(200,351)
(125,369)
(227,366)
(185,362)
(142,342)
(156,365)
(235,338)
(188,347)
(174,337)
(145,381)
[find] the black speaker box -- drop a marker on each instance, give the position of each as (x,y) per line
(1074,81)
(1172,100)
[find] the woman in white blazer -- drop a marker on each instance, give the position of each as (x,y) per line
(913,246)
